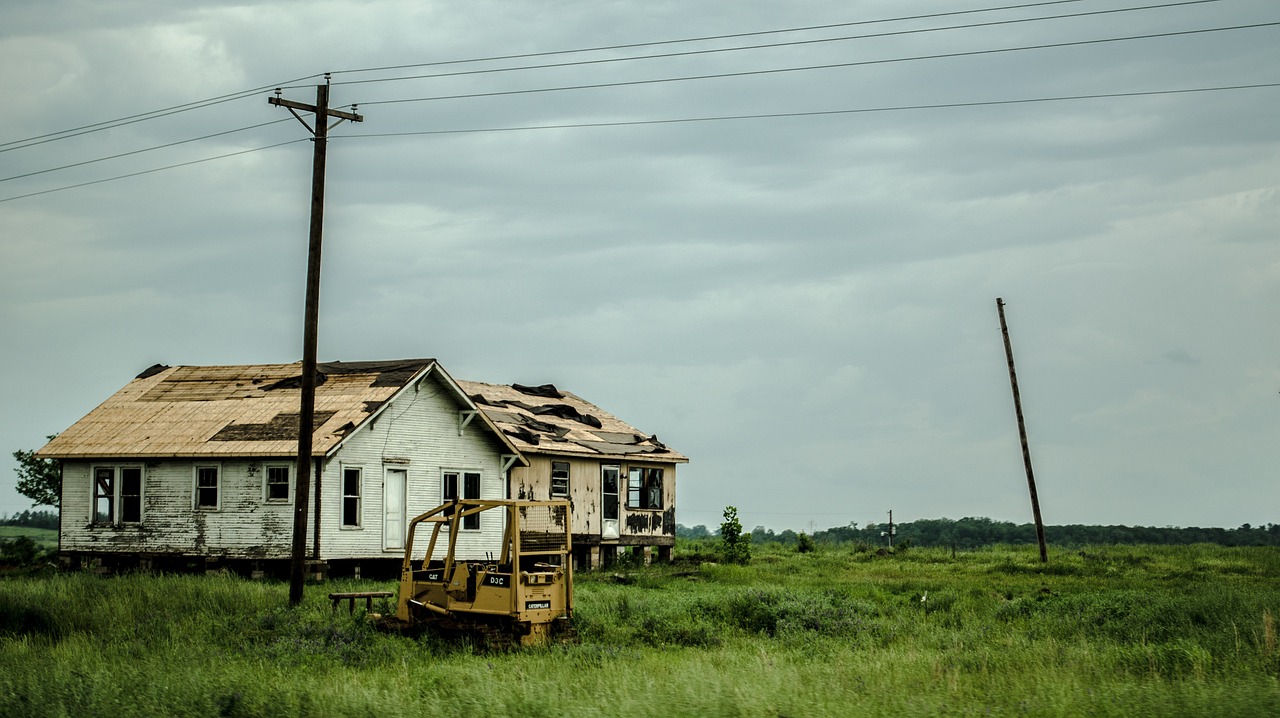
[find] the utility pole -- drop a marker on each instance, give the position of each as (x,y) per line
(1022,434)
(890,532)
(306,413)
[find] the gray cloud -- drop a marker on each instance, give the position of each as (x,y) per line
(804,306)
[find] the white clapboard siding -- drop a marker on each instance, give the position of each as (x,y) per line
(417,432)
(244,525)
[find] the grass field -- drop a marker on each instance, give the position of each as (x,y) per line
(46,539)
(47,535)
(1109,631)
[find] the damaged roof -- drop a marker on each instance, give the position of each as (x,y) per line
(544,419)
(236,410)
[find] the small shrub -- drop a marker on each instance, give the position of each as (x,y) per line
(804,543)
(735,545)
(21,551)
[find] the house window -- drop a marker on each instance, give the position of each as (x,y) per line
(644,488)
(351,480)
(609,475)
(130,495)
(470,485)
(207,490)
(278,488)
(117,495)
(559,479)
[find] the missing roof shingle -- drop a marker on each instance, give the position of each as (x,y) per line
(281,427)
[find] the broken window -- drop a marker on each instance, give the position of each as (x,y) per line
(351,476)
(559,479)
(278,483)
(207,487)
(117,494)
(104,495)
(644,488)
(470,481)
(130,494)
(609,491)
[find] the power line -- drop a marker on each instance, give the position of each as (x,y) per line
(898,108)
(147,149)
(140,117)
(793,43)
(207,102)
(704,38)
(817,113)
(828,66)
(226,98)
(210,101)
(157,169)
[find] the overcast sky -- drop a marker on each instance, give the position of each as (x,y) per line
(803,304)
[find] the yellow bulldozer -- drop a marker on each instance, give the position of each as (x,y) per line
(520,595)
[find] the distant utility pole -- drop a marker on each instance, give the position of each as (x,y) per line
(890,532)
(306,413)
(1022,434)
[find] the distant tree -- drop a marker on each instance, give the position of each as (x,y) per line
(34,519)
(974,532)
(697,532)
(735,545)
(804,543)
(39,479)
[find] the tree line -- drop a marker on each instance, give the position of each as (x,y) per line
(33,519)
(974,532)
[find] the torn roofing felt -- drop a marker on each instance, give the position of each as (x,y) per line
(546,391)
(231,410)
(548,420)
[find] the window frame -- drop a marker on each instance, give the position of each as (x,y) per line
(196,488)
(123,500)
(563,493)
(288,483)
(358,497)
(461,480)
(610,505)
(642,481)
(117,499)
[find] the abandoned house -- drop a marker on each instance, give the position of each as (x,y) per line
(620,482)
(188,465)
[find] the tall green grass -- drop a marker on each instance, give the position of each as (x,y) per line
(1102,631)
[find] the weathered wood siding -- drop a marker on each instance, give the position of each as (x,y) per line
(418,433)
(534,483)
(244,525)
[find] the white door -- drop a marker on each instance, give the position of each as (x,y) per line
(393,490)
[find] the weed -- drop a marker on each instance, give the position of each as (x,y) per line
(1109,631)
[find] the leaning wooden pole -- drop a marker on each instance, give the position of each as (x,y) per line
(311,321)
(310,328)
(1022,434)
